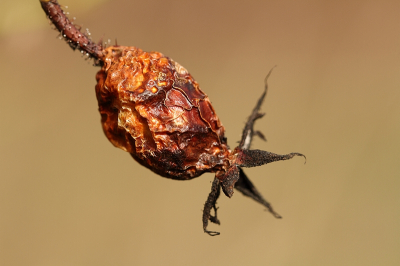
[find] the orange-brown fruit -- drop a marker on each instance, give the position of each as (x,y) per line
(152,107)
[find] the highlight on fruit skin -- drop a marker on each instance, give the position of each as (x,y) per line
(152,107)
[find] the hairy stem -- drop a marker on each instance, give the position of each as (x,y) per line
(70,32)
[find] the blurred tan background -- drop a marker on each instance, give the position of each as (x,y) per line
(68,197)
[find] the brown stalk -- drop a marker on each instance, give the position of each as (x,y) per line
(71,32)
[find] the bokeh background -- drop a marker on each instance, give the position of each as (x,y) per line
(68,197)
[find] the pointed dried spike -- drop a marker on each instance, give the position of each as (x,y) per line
(248,131)
(260,135)
(246,187)
(252,158)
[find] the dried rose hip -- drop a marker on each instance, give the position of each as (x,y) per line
(152,107)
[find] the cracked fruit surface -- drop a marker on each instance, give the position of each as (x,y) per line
(152,108)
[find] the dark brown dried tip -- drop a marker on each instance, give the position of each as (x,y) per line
(70,32)
(211,204)
(248,131)
(252,158)
(246,187)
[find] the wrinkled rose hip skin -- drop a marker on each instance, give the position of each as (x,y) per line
(152,107)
